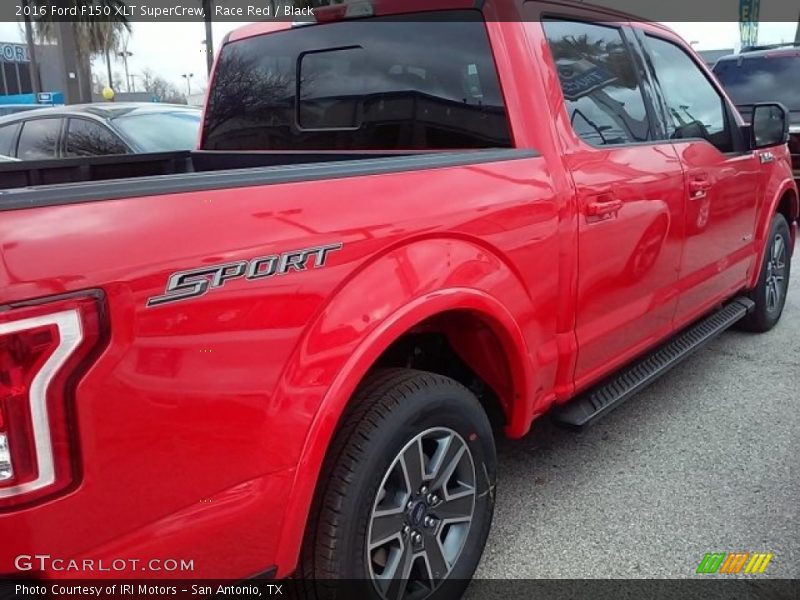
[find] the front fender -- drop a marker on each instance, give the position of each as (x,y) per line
(775,190)
(378,304)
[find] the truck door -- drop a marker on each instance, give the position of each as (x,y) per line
(721,177)
(629,189)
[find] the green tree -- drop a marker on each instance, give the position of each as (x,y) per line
(99,36)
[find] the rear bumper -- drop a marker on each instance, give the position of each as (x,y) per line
(231,535)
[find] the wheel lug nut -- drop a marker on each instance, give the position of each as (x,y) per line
(429,522)
(432,499)
(406,530)
(410,505)
(423,490)
(416,538)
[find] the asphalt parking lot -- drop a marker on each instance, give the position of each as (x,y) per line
(706,459)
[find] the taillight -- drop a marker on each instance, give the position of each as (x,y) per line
(43,348)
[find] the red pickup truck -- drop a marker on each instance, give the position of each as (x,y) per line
(407,226)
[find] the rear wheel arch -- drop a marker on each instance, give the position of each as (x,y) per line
(785,203)
(480,317)
(769,294)
(472,348)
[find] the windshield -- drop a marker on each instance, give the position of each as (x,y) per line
(767,78)
(160,131)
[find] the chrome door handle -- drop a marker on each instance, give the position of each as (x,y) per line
(698,188)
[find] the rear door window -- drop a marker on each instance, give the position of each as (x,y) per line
(599,81)
(39,139)
(373,84)
(87,138)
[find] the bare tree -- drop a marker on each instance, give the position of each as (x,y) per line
(161,88)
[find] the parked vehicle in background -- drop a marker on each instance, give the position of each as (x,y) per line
(10,109)
(768,74)
(100,129)
(399,231)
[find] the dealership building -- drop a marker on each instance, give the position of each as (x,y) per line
(16,75)
(16,86)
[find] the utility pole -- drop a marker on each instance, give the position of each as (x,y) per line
(33,64)
(108,68)
(209,41)
(65,36)
(797,34)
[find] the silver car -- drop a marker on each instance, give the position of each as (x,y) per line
(99,130)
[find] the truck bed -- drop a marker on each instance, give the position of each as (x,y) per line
(65,181)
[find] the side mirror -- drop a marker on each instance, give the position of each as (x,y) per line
(769,125)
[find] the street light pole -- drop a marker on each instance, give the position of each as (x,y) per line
(188,78)
(125,54)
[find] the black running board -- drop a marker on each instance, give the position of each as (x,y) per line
(603,398)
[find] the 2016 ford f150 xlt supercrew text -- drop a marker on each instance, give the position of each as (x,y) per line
(285,352)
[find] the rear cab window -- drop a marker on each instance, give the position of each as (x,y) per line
(422,81)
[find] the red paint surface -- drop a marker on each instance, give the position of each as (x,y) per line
(203,424)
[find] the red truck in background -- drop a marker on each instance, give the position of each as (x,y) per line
(285,353)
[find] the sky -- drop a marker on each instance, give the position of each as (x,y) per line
(172,49)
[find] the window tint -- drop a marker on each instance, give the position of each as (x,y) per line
(87,138)
(370,84)
(599,80)
(331,89)
(694,107)
(773,77)
(38,139)
(7,137)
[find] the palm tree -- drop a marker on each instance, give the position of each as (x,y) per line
(34,67)
(93,36)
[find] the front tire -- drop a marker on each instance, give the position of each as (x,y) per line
(406,494)
(769,294)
